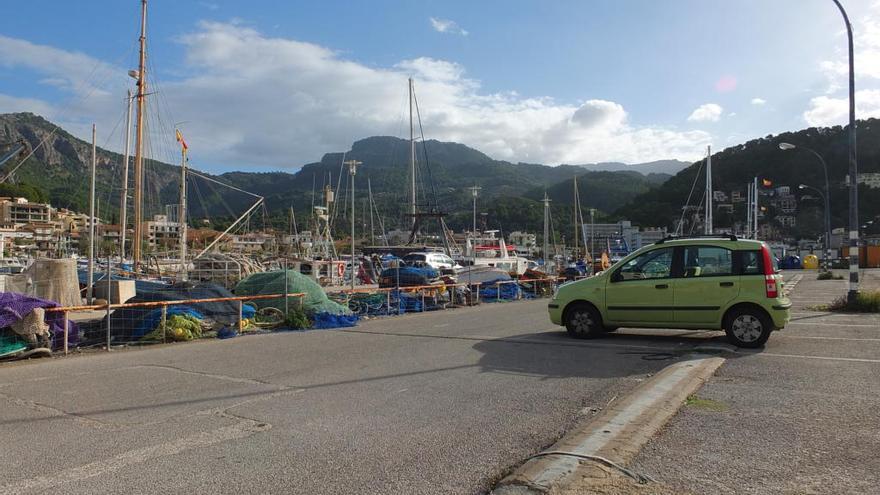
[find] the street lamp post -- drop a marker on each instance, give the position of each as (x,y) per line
(824,197)
(352,170)
(853,169)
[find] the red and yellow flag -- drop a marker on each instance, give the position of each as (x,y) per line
(180,139)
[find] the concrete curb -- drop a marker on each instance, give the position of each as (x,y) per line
(616,435)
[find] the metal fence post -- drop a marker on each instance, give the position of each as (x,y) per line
(240,316)
(66,326)
(286,304)
(163,322)
(388,302)
(108,274)
(497,291)
(422,291)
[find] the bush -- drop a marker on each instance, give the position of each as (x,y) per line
(866,302)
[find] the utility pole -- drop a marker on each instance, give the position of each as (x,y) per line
(352,170)
(708,222)
(141,76)
(92,230)
(123,200)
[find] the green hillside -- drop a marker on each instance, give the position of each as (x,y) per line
(735,166)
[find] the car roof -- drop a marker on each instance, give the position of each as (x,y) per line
(738,244)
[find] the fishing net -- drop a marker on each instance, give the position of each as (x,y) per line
(314,302)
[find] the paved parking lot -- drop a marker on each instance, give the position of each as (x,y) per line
(446,402)
(800,416)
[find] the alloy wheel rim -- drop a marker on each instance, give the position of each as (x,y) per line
(747,328)
(582,322)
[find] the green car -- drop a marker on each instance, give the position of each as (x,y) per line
(716,283)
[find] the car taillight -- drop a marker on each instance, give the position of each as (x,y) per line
(769,274)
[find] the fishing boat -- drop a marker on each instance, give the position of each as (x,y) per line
(490,250)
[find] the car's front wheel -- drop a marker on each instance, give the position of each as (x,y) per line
(747,327)
(583,322)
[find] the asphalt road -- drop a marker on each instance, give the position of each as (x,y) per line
(444,402)
(801,416)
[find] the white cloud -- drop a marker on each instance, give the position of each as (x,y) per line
(827,111)
(707,112)
(759,101)
(447,26)
(254,100)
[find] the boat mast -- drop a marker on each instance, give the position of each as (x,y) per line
(123,201)
(139,142)
(412,156)
(92,230)
(546,231)
(709,228)
(576,208)
(181,209)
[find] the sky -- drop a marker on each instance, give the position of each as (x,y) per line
(272,85)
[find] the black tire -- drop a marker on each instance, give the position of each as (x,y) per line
(583,322)
(748,327)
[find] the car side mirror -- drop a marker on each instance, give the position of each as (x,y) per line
(616,276)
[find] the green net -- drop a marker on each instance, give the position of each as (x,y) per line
(11,343)
(315,299)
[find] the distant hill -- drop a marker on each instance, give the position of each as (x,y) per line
(733,167)
(60,169)
(665,167)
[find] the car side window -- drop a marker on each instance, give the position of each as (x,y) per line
(651,265)
(752,263)
(707,261)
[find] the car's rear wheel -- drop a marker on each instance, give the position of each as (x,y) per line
(583,322)
(748,327)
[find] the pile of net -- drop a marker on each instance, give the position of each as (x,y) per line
(322,312)
(23,318)
(492,291)
(145,323)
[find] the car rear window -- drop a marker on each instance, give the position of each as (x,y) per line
(414,257)
(751,263)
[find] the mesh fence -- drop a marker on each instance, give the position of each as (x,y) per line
(125,312)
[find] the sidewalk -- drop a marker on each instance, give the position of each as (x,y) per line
(801,416)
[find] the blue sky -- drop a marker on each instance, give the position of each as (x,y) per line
(265,85)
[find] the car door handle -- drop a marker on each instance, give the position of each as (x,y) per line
(726,284)
(661,286)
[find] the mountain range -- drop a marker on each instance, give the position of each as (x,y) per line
(649,194)
(60,168)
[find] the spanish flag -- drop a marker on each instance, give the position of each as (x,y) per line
(765,182)
(180,139)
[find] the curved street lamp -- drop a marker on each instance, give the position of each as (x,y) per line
(826,196)
(853,169)
(827,216)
